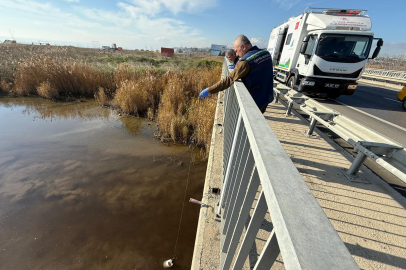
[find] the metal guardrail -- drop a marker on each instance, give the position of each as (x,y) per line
(366,142)
(253,159)
(391,76)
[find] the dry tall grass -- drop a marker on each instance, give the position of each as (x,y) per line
(171,98)
(54,78)
(181,116)
(138,91)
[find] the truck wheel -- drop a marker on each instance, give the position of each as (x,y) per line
(291,82)
(404,104)
(333,95)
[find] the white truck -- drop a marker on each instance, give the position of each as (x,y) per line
(323,50)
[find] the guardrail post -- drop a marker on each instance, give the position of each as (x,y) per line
(289,110)
(312,126)
(356,165)
(276,97)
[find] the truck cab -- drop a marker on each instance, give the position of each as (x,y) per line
(323,52)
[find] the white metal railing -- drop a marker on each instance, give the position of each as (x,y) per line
(254,159)
(366,142)
(391,76)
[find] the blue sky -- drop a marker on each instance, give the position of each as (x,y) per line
(172,23)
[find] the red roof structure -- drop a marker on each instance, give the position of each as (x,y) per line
(167,52)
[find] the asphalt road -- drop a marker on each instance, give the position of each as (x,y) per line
(376,107)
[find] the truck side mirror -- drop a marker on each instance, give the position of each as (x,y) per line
(376,52)
(306,39)
(304,44)
(303,47)
(379,44)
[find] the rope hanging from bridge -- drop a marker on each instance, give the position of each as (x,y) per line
(184,196)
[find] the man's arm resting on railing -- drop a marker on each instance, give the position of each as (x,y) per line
(240,70)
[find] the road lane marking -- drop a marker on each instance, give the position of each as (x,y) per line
(373,116)
(392,99)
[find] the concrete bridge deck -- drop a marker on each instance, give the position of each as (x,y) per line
(369,216)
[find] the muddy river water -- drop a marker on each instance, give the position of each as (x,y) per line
(84,188)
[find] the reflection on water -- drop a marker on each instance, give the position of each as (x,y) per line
(83,188)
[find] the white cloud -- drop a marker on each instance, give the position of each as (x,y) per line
(147,7)
(72,1)
(142,21)
(176,6)
(161,39)
(287,4)
(259,42)
(29,6)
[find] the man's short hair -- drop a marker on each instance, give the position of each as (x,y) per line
(230,52)
(242,39)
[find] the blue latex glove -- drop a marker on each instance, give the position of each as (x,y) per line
(204,93)
(231,66)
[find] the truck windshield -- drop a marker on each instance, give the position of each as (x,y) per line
(343,48)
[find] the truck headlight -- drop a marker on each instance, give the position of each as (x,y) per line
(310,83)
(353,86)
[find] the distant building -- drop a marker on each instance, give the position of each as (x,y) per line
(8,41)
(168,52)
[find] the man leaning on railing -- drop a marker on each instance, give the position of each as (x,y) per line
(254,69)
(232,57)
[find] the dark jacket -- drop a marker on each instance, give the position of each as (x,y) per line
(255,70)
(259,80)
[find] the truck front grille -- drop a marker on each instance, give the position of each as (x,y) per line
(318,72)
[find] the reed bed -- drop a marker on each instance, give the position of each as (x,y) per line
(167,94)
(57,78)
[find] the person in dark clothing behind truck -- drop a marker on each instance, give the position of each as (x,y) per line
(255,71)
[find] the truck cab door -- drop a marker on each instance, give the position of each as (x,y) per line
(305,56)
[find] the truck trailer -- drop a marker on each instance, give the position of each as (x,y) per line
(323,50)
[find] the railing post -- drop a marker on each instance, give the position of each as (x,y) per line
(269,253)
(235,177)
(228,170)
(289,110)
(233,213)
(357,163)
(312,126)
(252,230)
(229,122)
(234,168)
(242,218)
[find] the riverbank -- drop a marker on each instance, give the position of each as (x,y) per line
(160,89)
